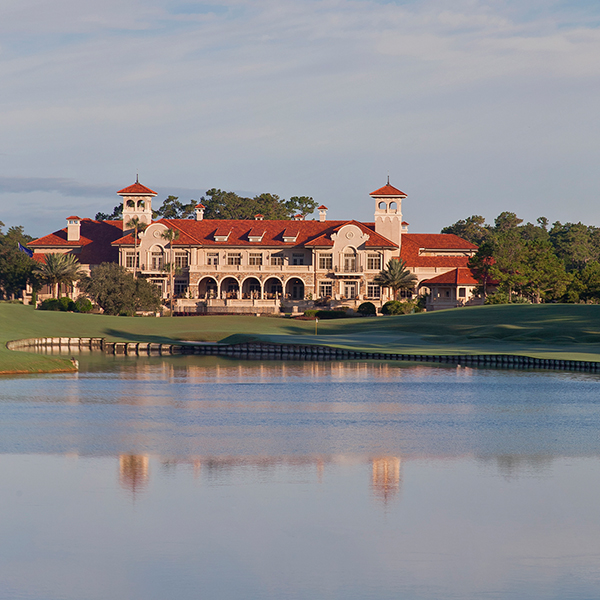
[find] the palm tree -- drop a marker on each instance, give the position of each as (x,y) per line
(171,235)
(396,277)
(137,226)
(59,268)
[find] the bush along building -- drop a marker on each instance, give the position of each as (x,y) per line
(264,266)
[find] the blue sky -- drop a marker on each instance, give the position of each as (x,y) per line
(472,107)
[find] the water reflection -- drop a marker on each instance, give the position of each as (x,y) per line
(133,472)
(208,477)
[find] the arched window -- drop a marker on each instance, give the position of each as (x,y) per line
(393,206)
(382,206)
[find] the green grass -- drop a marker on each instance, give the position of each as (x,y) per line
(564,331)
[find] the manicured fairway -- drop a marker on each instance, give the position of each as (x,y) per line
(545,331)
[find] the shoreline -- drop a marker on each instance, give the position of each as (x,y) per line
(280,351)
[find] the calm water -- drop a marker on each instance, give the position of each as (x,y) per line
(199,477)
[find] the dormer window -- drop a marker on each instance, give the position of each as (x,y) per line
(256,235)
(222,234)
(290,235)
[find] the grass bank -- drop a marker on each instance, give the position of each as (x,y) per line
(559,331)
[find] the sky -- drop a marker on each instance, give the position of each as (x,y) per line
(470,107)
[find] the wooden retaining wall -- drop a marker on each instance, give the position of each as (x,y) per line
(262,351)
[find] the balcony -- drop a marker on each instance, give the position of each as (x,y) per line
(351,269)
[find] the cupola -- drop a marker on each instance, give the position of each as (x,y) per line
(137,202)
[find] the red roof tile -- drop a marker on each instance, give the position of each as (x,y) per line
(413,243)
(322,207)
(95,241)
(71,218)
(137,189)
(458,276)
(387,190)
(310,233)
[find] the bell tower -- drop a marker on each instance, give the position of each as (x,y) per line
(137,202)
(388,212)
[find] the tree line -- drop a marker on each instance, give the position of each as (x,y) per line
(220,204)
(533,262)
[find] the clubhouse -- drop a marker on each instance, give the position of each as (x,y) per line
(260,265)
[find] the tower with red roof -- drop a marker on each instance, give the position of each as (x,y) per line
(137,202)
(388,212)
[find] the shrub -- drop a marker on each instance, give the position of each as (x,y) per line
(367,308)
(50,304)
(83,305)
(66,304)
(311,312)
(503,298)
(395,307)
(497,298)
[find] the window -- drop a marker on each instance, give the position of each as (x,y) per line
(350,290)
(326,261)
(180,287)
(297,259)
(255,259)
(130,261)
(158,261)
(374,262)
(350,263)
(234,258)
(325,289)
(212,258)
(181,260)
(406,293)
(373,291)
(277,259)
(462,292)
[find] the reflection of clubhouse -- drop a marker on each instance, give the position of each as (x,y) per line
(255,266)
(385,482)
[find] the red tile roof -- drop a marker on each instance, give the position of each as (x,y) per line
(413,243)
(137,189)
(459,276)
(310,233)
(95,241)
(71,218)
(387,190)
(322,207)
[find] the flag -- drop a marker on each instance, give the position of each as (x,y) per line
(26,250)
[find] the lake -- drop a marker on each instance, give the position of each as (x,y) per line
(204,477)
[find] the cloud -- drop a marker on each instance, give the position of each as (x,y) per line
(318,97)
(66,187)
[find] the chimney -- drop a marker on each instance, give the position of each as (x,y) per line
(298,217)
(322,213)
(73,229)
(200,211)
(259,217)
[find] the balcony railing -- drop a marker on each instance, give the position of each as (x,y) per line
(350,269)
